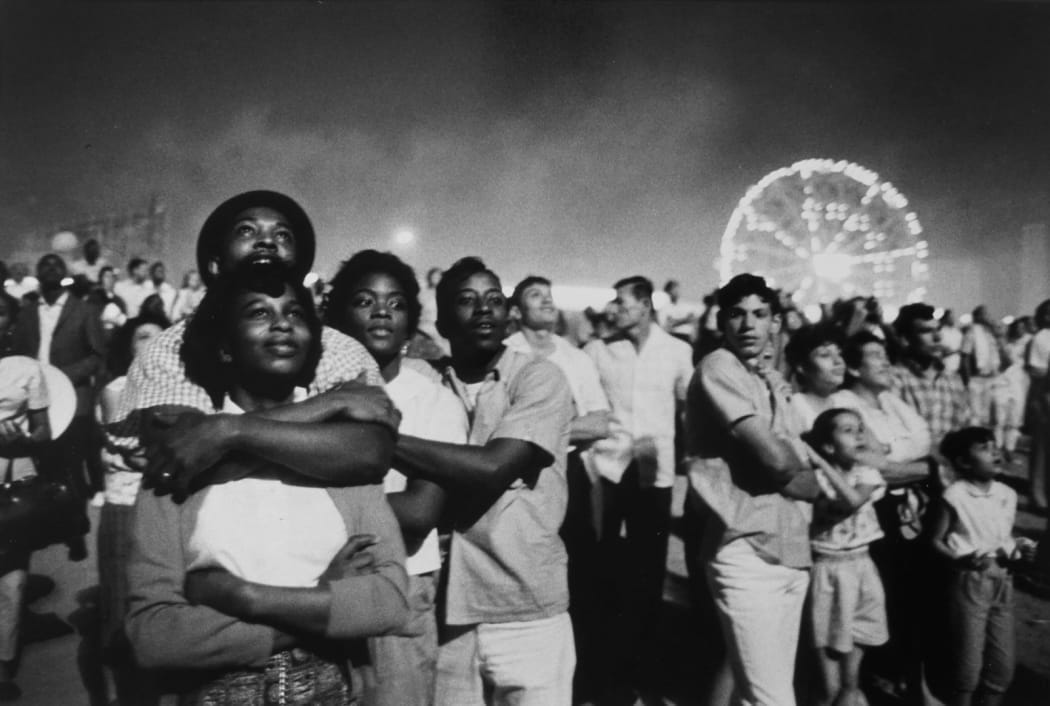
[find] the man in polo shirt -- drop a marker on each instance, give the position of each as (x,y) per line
(645,373)
(532,305)
(256,227)
(507,637)
(748,480)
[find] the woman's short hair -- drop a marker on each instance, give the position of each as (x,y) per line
(445,293)
(209,326)
(808,339)
(359,266)
(853,351)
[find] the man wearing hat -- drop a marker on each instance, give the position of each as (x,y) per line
(256,227)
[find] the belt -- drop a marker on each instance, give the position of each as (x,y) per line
(291,678)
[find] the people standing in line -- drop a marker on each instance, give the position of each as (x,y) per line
(507,637)
(375,298)
(67,332)
(972,529)
(532,305)
(645,373)
(748,504)
(24,431)
(136,287)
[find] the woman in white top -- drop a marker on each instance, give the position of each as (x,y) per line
(24,430)
(375,299)
(814,356)
(250,586)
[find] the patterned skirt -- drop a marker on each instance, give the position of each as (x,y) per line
(291,678)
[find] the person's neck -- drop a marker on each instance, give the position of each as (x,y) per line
(262,398)
(51,294)
(473,366)
(866,393)
(639,333)
(982,484)
(819,400)
(390,369)
(540,340)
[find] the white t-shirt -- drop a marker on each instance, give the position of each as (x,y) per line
(428,411)
(984,521)
(587,393)
(265,531)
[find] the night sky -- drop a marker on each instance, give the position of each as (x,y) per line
(581,141)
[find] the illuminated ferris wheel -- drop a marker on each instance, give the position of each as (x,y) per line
(822,230)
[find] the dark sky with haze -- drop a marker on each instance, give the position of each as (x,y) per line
(581,141)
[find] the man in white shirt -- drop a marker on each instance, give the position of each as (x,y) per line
(645,373)
(532,305)
(89,266)
(158,278)
(136,287)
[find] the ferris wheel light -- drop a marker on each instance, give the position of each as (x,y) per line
(832,266)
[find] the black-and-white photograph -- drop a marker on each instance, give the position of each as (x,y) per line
(550,353)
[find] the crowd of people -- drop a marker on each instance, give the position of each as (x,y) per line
(372,491)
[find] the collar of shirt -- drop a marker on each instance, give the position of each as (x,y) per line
(934,369)
(59,303)
(452,381)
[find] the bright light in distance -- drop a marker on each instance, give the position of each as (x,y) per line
(67,282)
(832,266)
(404,237)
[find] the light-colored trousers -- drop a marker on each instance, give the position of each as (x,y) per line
(528,663)
(760,607)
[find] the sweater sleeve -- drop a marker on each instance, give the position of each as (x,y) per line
(165,630)
(376,603)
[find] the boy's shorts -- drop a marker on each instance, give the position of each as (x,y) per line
(847,602)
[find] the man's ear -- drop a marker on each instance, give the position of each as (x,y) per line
(777,321)
(213,267)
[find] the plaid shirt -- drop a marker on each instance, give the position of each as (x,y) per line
(938,395)
(158,377)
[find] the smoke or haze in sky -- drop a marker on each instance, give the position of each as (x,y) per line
(584,142)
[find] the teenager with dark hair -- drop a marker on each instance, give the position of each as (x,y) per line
(375,299)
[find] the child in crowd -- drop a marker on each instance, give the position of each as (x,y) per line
(847,602)
(973,528)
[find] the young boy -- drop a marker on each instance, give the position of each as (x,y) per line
(973,529)
(847,602)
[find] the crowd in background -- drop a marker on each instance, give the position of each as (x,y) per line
(532,490)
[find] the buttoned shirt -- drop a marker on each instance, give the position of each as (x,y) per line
(158,378)
(510,565)
(725,391)
(643,387)
(49,314)
(584,383)
(939,396)
(133,293)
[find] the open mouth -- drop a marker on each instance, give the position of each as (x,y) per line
(283,349)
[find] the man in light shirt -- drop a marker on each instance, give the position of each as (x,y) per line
(136,287)
(158,276)
(532,305)
(645,373)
